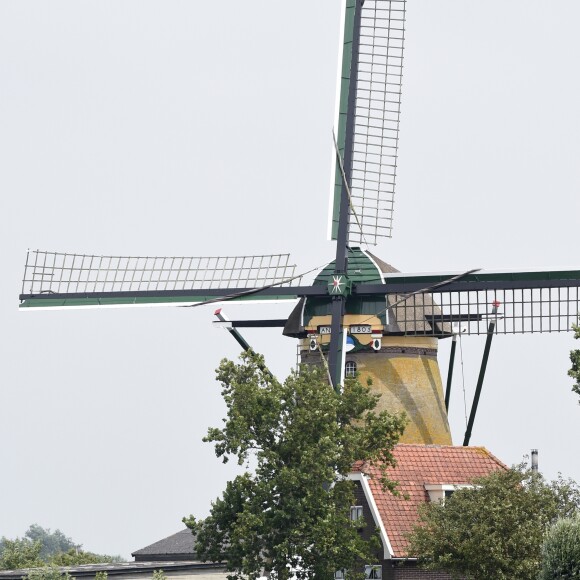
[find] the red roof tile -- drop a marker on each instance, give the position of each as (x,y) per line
(417,466)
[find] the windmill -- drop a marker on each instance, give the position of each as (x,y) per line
(357,299)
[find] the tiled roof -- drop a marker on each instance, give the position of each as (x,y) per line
(181,543)
(417,466)
(131,569)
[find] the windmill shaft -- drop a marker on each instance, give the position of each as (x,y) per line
(335,355)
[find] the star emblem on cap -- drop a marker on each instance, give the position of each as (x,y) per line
(337,284)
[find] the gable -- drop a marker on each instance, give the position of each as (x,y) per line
(418,468)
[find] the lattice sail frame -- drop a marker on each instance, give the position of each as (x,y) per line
(63,273)
(519,311)
(377,116)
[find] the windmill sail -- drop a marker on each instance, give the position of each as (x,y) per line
(371,163)
(526,302)
(53,279)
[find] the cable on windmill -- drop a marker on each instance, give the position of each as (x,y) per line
(251,291)
(423,291)
(325,363)
(346,185)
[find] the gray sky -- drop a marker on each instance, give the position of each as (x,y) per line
(204,128)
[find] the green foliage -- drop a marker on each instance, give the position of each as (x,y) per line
(77,557)
(48,573)
(20,553)
(101,576)
(40,546)
(52,542)
(574,371)
(495,529)
(561,550)
(303,437)
(159,575)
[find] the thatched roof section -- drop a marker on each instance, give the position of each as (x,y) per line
(411,315)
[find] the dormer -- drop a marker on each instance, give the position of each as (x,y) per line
(441,491)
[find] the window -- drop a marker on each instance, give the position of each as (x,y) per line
(356,512)
(374,571)
(350,369)
(440,492)
(339,575)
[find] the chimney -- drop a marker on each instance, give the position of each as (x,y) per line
(535,460)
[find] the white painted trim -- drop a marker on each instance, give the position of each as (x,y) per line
(363,479)
(302,313)
(381,274)
(343,361)
(437,491)
(153,305)
(447,486)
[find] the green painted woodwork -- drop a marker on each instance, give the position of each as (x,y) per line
(343,109)
(369,305)
(486,277)
(135,301)
(361,270)
(339,285)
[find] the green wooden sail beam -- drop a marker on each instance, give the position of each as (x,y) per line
(480,280)
(342,110)
(50,301)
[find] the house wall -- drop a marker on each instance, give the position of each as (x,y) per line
(369,526)
(393,570)
(189,575)
(410,571)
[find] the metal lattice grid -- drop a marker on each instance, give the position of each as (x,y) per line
(519,311)
(61,273)
(378,108)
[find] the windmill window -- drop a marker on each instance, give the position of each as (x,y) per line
(350,369)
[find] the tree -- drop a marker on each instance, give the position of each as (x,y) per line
(51,542)
(574,371)
(561,550)
(20,553)
(48,573)
(77,557)
(292,514)
(495,529)
(40,546)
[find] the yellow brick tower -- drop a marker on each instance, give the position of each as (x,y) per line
(384,342)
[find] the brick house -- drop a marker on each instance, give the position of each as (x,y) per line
(425,473)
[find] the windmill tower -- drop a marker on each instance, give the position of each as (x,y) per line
(382,346)
(356,300)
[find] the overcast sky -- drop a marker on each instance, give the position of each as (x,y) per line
(204,128)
